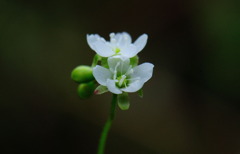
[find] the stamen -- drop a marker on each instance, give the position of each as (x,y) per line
(115,75)
(125,84)
(121,80)
(117,66)
(115,71)
(129,71)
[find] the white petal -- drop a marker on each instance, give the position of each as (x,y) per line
(91,39)
(143,71)
(124,66)
(141,42)
(117,36)
(112,87)
(124,39)
(127,37)
(123,63)
(101,74)
(113,38)
(134,86)
(129,51)
(103,49)
(112,62)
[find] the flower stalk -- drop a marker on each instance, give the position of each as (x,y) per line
(107,126)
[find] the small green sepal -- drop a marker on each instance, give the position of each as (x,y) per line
(104,62)
(140,93)
(82,74)
(100,90)
(85,90)
(123,101)
(134,61)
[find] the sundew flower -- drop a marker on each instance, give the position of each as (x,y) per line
(121,76)
(119,44)
(115,67)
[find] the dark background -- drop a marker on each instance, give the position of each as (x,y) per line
(190,106)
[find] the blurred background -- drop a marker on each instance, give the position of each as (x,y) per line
(190,106)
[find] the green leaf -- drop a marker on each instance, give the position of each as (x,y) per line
(123,101)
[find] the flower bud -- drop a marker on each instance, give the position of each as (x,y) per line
(82,74)
(85,90)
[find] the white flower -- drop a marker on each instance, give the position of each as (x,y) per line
(121,77)
(119,44)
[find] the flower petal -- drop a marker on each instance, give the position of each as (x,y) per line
(122,62)
(129,51)
(112,87)
(124,39)
(101,74)
(127,37)
(141,42)
(143,71)
(103,49)
(91,39)
(134,86)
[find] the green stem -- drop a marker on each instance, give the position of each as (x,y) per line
(107,126)
(96,58)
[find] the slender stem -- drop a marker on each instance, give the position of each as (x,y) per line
(107,126)
(96,58)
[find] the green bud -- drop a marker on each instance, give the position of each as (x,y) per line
(85,90)
(123,101)
(82,74)
(134,61)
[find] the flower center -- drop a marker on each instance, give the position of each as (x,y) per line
(122,81)
(117,50)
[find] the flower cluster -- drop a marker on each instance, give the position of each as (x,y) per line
(115,66)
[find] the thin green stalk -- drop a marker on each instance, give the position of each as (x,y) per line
(96,58)
(107,126)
